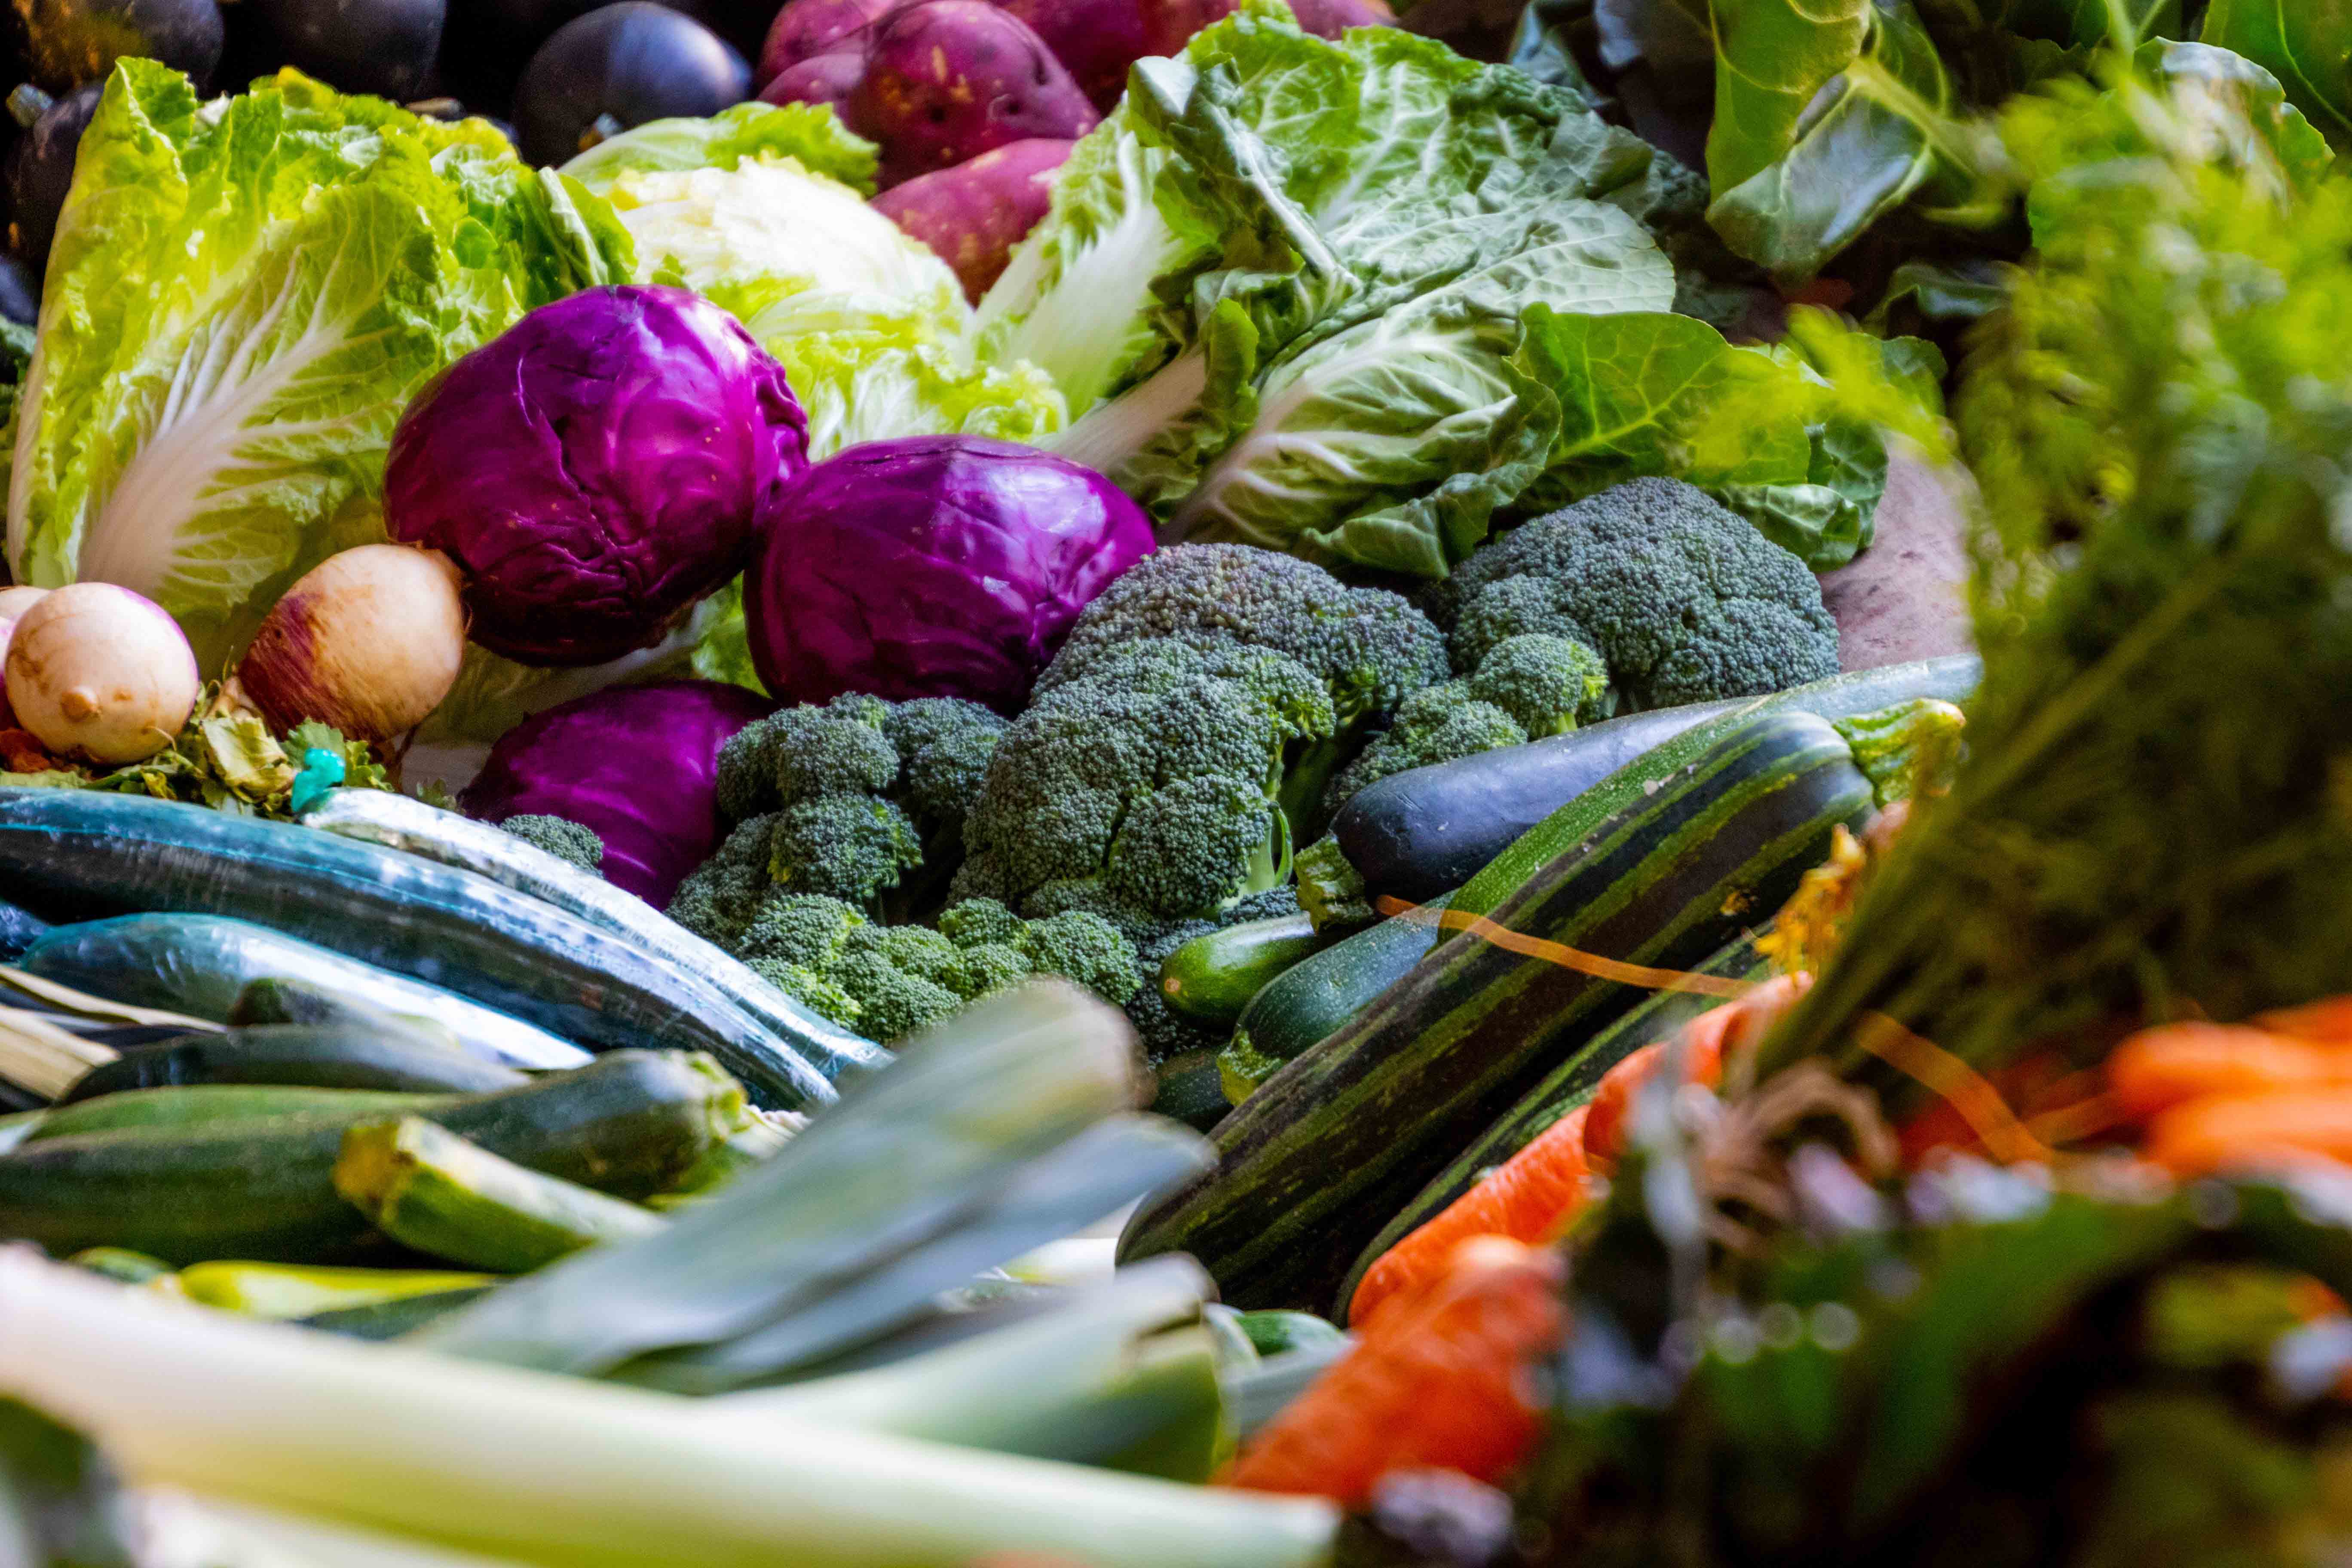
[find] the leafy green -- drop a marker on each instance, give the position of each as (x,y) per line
(2307,43)
(227,759)
(242,297)
(810,134)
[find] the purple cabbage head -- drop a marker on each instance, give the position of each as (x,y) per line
(639,764)
(933,566)
(597,469)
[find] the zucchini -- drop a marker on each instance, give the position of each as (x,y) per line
(1188,1088)
(1313,999)
(1416,834)
(1314,1162)
(403,822)
(1272,1334)
(292,1055)
(123,1265)
(629,1124)
(203,965)
(18,930)
(1213,976)
(78,851)
(1569,1084)
(198,1105)
(280,1001)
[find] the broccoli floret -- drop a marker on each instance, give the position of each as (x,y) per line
(723,894)
(802,929)
(565,839)
(868,797)
(1438,725)
(1151,781)
(976,922)
(1684,600)
(1083,948)
(1549,685)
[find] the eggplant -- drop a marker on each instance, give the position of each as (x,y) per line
(41,167)
(383,47)
(619,68)
(70,44)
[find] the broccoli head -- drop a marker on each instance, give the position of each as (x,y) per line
(1149,784)
(559,836)
(857,796)
(1684,600)
(887,982)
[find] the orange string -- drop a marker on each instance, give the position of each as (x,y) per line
(1959,1085)
(1566,957)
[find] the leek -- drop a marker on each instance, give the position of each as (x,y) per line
(302,1291)
(566,1473)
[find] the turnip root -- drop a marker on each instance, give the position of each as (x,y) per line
(98,673)
(974,214)
(826,79)
(14,602)
(947,80)
(368,641)
(806,29)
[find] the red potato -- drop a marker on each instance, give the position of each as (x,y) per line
(821,78)
(806,30)
(947,80)
(974,214)
(1330,18)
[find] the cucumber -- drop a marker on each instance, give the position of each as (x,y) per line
(303,1055)
(171,1110)
(1213,976)
(202,964)
(1416,834)
(403,822)
(1313,999)
(280,1001)
(629,1124)
(1568,1085)
(1315,1163)
(78,851)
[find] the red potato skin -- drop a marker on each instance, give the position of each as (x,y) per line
(1330,18)
(826,79)
(1100,39)
(974,214)
(806,29)
(947,80)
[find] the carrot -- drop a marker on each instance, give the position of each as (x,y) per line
(2042,1089)
(1526,1198)
(1712,1036)
(2161,1067)
(1439,1380)
(2327,1022)
(2283,1125)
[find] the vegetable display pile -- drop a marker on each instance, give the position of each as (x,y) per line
(961,784)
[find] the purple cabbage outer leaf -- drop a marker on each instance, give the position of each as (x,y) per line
(597,468)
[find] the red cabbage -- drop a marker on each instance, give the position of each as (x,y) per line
(933,566)
(639,764)
(597,469)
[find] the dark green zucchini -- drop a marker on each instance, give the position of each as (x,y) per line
(1566,1087)
(196,1105)
(1314,1162)
(306,1055)
(277,1000)
(1416,834)
(1189,1090)
(1212,978)
(82,853)
(629,1124)
(1313,999)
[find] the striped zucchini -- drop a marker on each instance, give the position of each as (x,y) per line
(1314,1162)
(81,852)
(304,1055)
(400,821)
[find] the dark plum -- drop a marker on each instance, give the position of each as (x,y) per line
(67,44)
(620,66)
(383,47)
(41,167)
(20,292)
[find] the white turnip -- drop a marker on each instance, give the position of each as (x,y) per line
(98,673)
(369,641)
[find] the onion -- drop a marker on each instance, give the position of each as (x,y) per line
(368,641)
(96,672)
(14,602)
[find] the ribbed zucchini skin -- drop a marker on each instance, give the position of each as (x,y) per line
(1568,1085)
(1314,1162)
(1317,996)
(83,853)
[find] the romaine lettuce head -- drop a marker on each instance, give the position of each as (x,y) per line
(242,297)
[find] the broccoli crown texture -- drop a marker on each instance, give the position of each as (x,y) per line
(1684,600)
(857,794)
(1370,648)
(1148,783)
(559,836)
(889,981)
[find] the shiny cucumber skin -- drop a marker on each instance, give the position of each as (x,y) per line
(1566,1087)
(402,822)
(1314,1164)
(110,853)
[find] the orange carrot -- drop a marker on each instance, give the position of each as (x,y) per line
(2225,1132)
(1709,1037)
(1440,1381)
(2328,1022)
(2042,1088)
(2161,1067)
(1526,1198)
